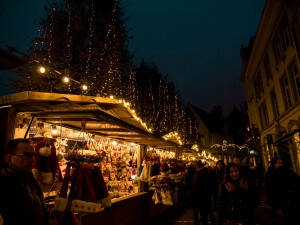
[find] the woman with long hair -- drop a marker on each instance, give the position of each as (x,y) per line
(233,204)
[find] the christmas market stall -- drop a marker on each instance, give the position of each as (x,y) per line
(93,151)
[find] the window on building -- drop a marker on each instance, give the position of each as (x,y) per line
(268,67)
(282,39)
(274,104)
(263,114)
(295,79)
(286,91)
(258,86)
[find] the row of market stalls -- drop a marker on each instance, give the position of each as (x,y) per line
(96,152)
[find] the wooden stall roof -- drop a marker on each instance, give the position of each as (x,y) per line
(100,116)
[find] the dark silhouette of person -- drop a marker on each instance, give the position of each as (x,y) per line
(21,199)
(202,195)
(218,177)
(283,190)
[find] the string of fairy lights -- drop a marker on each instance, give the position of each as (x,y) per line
(162,102)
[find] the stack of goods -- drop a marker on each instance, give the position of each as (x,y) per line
(120,170)
(164,190)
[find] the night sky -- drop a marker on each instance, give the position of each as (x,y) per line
(197,42)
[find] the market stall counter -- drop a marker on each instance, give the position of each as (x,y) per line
(139,209)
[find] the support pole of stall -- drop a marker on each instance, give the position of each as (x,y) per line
(177,153)
(7,125)
(29,125)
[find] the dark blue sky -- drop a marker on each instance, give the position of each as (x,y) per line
(197,42)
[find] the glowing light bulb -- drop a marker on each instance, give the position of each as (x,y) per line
(120,101)
(66,79)
(54,132)
(114,143)
(84,87)
(42,69)
(133,111)
(111,97)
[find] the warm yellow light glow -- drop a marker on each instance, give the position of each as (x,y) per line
(111,97)
(42,69)
(120,101)
(54,132)
(66,79)
(114,143)
(84,87)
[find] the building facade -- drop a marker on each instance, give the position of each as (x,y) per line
(271,77)
(211,132)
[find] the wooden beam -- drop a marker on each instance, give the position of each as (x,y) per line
(113,129)
(66,119)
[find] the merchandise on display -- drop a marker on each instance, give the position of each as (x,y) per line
(59,147)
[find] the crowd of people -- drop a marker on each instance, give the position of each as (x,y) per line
(229,194)
(224,195)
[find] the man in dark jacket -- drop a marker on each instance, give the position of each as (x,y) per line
(21,199)
(202,195)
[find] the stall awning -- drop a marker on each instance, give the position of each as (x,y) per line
(97,115)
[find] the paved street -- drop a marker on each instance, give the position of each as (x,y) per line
(184,216)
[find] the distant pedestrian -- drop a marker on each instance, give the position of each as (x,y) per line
(202,195)
(236,160)
(218,177)
(233,204)
(188,187)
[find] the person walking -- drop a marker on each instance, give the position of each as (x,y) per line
(21,199)
(217,178)
(202,195)
(283,188)
(233,203)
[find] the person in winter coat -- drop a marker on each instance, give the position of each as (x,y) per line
(188,187)
(202,195)
(233,204)
(218,177)
(21,199)
(283,187)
